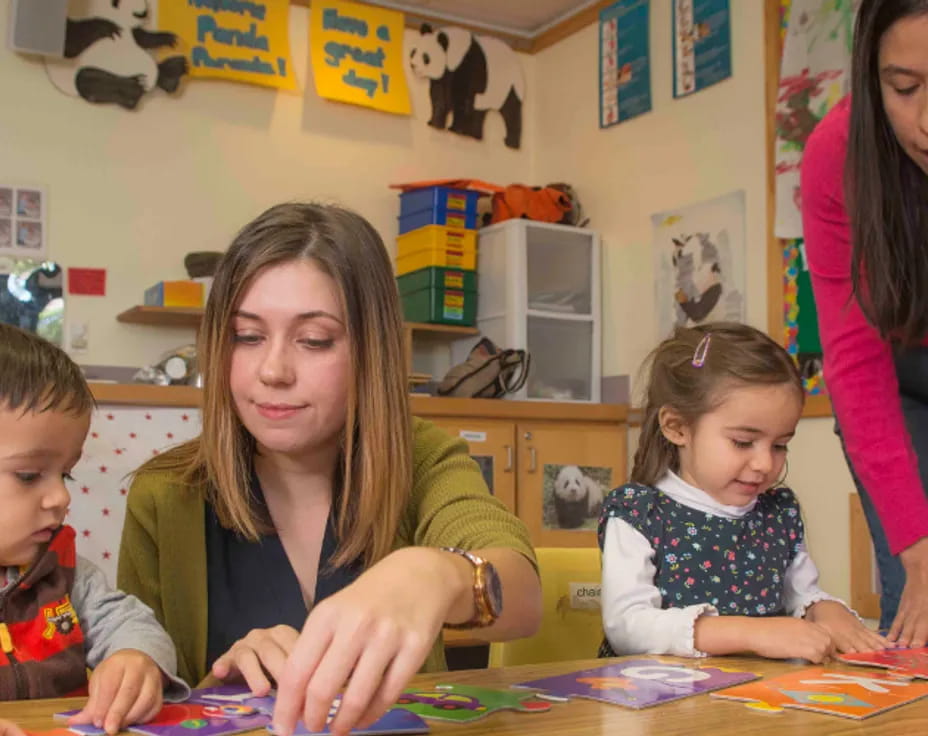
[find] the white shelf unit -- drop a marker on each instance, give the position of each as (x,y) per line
(539,290)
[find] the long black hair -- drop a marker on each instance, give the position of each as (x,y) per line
(886,192)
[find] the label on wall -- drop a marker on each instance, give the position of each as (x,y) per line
(357,55)
(238,41)
(624,62)
(701,44)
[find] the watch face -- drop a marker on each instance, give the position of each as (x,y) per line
(494,590)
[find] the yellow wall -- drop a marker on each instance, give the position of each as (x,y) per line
(684,151)
(134,191)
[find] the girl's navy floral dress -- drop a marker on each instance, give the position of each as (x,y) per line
(737,565)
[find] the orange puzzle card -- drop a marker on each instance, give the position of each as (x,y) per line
(844,693)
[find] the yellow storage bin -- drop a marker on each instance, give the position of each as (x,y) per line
(436,245)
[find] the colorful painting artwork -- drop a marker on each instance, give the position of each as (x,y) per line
(902,662)
(839,693)
(640,683)
(462,703)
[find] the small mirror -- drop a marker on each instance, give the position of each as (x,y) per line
(32,297)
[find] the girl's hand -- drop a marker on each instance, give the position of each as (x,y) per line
(8,728)
(261,653)
(784,637)
(910,629)
(368,640)
(846,630)
(125,688)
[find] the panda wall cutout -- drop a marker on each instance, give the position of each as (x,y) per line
(469,75)
(108,57)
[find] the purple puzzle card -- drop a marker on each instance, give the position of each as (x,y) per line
(396,721)
(640,683)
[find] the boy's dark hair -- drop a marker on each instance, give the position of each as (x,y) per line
(38,376)
(735,355)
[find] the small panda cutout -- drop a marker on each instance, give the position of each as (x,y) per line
(106,54)
(468,76)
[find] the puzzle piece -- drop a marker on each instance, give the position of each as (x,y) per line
(461,703)
(395,721)
(839,693)
(640,683)
(902,662)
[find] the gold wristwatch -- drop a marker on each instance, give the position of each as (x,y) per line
(488,591)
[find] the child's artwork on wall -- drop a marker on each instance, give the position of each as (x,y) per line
(468,76)
(573,495)
(640,683)
(23,232)
(624,62)
(357,55)
(110,53)
(839,693)
(462,703)
(902,662)
(245,42)
(701,44)
(699,254)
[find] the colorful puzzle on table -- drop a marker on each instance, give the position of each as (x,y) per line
(640,683)
(840,693)
(231,709)
(461,703)
(903,662)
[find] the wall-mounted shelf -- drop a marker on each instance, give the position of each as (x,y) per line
(191,316)
(162,316)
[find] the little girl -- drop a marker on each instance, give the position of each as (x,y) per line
(704,551)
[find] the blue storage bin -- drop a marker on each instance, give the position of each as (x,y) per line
(448,218)
(438,199)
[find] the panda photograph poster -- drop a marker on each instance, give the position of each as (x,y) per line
(572,496)
(699,268)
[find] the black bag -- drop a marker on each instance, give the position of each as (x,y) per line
(488,373)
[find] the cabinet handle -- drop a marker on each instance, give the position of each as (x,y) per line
(508,468)
(532,460)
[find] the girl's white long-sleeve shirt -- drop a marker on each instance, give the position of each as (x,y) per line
(633,620)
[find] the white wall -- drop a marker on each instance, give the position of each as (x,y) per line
(683,151)
(134,191)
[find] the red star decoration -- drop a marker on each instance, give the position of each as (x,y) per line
(106,555)
(85,490)
(106,512)
(184,418)
(154,452)
(118,451)
(123,491)
(86,533)
(170,436)
(102,468)
(148,417)
(110,417)
(94,435)
(132,435)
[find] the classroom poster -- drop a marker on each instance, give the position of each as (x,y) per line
(701,44)
(23,226)
(244,41)
(624,62)
(699,256)
(357,55)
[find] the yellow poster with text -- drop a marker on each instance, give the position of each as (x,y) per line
(239,40)
(357,55)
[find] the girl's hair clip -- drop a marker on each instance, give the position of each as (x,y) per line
(702,349)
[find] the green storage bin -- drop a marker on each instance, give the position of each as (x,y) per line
(437,295)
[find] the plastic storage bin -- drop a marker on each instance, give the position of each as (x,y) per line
(439,295)
(436,246)
(438,206)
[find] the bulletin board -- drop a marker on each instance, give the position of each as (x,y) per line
(791,314)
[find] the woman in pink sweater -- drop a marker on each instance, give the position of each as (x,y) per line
(865,215)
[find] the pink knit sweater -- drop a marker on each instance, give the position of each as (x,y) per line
(859,370)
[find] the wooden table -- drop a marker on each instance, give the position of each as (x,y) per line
(700,714)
